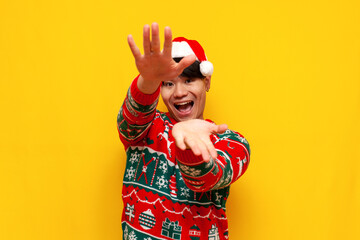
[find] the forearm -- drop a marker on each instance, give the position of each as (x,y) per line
(136,114)
(232,161)
(198,175)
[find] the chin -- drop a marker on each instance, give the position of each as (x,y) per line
(180,118)
(184,118)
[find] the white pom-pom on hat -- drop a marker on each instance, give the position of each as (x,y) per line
(206,68)
(182,47)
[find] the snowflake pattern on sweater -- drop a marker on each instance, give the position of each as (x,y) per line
(169,193)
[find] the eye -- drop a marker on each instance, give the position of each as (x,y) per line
(189,80)
(167,84)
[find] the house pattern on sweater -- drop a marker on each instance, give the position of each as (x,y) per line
(169,193)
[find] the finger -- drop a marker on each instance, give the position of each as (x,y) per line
(179,141)
(210,148)
(134,49)
(185,62)
(181,145)
(199,149)
(191,143)
(205,156)
(146,39)
(204,151)
(168,41)
(155,40)
(221,128)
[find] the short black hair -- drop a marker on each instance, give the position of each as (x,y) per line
(192,71)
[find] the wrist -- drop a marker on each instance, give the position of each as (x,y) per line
(140,97)
(147,86)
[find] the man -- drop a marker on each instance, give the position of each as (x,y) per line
(179,166)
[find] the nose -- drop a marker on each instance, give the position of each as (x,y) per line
(180,90)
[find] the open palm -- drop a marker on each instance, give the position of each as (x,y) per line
(155,65)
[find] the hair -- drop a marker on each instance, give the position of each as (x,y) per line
(192,71)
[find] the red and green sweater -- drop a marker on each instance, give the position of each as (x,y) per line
(169,193)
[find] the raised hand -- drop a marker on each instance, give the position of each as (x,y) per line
(195,134)
(155,65)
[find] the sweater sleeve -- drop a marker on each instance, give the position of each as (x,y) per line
(232,161)
(136,114)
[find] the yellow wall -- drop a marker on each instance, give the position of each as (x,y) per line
(287,76)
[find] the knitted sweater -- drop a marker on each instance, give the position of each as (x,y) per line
(169,193)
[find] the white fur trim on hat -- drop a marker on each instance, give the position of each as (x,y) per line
(181,49)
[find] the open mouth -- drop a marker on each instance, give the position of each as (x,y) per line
(184,106)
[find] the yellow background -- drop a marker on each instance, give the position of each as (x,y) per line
(287,76)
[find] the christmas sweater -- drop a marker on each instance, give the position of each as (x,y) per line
(169,193)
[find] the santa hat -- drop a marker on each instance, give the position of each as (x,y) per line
(182,47)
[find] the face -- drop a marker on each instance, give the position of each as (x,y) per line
(185,98)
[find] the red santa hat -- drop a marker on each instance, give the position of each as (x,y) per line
(182,47)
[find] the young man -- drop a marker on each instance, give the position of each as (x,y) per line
(179,166)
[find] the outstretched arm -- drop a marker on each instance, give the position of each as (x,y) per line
(155,66)
(209,156)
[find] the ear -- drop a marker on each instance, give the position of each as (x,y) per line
(207,82)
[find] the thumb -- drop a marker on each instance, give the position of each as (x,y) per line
(220,128)
(185,62)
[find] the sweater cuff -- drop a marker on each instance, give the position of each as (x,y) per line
(140,97)
(187,157)
(194,167)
